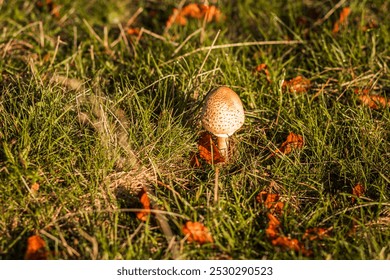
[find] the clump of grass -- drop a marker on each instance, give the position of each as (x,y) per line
(93,114)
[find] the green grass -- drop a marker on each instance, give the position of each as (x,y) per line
(147,102)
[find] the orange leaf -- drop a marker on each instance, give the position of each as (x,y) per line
(342,20)
(298,84)
(193,11)
(263,68)
(36,248)
(211,12)
(270,201)
(293,141)
(51,6)
(357,191)
(177,18)
(144,199)
(373,101)
(292,244)
(34,188)
(272,231)
(133,31)
(208,150)
(316,233)
(197,232)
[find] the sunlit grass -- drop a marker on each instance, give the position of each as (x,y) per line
(85,107)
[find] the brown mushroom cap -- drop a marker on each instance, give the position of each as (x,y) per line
(222,112)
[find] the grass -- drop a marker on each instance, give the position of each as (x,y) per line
(92,115)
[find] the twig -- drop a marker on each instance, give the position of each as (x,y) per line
(234,45)
(134,17)
(95,247)
(208,53)
(328,14)
(185,41)
(97,37)
(157,36)
(70,250)
(55,50)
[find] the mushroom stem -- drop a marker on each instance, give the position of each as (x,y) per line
(223,146)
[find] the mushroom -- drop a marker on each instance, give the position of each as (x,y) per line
(222,115)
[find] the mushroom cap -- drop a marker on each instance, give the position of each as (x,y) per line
(222,112)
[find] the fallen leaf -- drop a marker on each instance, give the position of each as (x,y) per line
(298,84)
(372,24)
(177,18)
(192,10)
(263,68)
(144,199)
(34,188)
(372,100)
(36,248)
(197,232)
(363,91)
(292,244)
(208,150)
(342,20)
(293,141)
(51,6)
(133,31)
(270,201)
(316,233)
(211,12)
(272,231)
(197,11)
(357,191)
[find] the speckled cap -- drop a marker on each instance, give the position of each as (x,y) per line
(222,112)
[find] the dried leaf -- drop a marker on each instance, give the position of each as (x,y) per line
(263,68)
(342,20)
(357,191)
(144,199)
(292,244)
(372,100)
(196,11)
(208,150)
(272,231)
(51,6)
(133,31)
(372,24)
(270,201)
(211,12)
(36,248)
(192,11)
(316,233)
(177,18)
(197,232)
(34,188)
(298,84)
(293,141)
